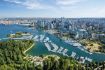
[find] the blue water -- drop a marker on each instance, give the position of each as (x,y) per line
(40,49)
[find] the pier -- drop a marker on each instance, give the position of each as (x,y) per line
(56,49)
(60,49)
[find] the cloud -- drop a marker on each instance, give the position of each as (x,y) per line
(67,2)
(37,4)
(29,4)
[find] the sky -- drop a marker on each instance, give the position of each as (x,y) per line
(52,8)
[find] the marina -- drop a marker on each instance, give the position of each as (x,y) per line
(45,42)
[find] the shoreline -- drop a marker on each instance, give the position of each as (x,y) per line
(29,48)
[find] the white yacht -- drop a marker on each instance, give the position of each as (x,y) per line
(55,47)
(48,46)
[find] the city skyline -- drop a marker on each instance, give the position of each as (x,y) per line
(52,8)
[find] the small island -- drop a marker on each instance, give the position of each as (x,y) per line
(18,34)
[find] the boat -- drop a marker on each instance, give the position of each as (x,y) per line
(36,38)
(73,54)
(88,59)
(48,46)
(55,47)
(46,39)
(42,37)
(82,59)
